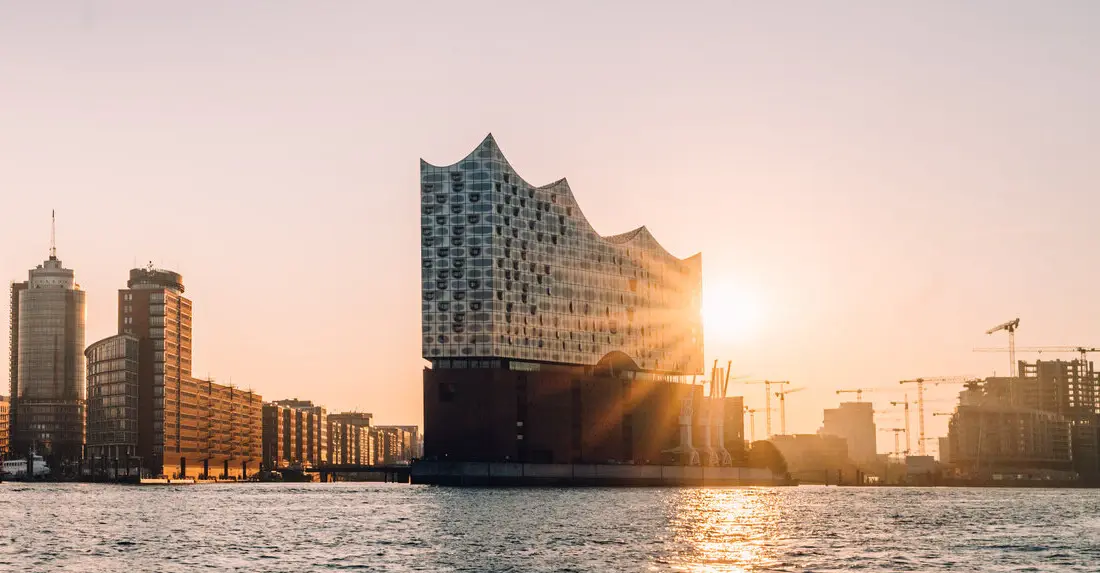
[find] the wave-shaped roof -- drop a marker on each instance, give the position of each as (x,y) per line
(640,236)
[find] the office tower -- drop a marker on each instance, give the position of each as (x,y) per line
(185,426)
(547,341)
(47,363)
(112,400)
(855,422)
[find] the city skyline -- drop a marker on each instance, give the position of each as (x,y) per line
(855,256)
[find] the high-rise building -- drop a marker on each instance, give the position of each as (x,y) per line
(855,422)
(295,432)
(12,420)
(4,436)
(47,363)
(547,341)
(112,403)
(147,403)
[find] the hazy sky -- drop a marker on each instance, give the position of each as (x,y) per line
(872,184)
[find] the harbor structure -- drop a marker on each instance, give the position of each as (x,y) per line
(47,363)
(295,434)
(147,404)
(855,422)
(546,341)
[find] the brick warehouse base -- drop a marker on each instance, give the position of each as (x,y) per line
(555,414)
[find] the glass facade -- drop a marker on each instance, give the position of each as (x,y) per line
(511,270)
(49,360)
(112,398)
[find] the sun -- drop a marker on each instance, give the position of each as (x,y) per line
(731,313)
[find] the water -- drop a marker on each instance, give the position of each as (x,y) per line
(388,527)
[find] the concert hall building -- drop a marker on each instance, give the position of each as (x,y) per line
(548,342)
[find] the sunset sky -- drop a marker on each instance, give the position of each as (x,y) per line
(872,185)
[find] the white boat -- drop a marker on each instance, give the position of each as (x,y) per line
(17,469)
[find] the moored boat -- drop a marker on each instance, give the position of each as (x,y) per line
(17,469)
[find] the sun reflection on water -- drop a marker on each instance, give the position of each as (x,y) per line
(725,530)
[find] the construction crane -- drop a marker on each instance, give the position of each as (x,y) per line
(897,443)
(768,401)
(1009,327)
(752,423)
(782,394)
(905,403)
(1082,350)
(920,402)
(858,392)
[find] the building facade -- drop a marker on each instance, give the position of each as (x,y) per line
(295,433)
(4,432)
(47,364)
(185,426)
(994,437)
(396,444)
(350,439)
(511,270)
(855,422)
(1047,419)
(12,419)
(112,399)
(547,341)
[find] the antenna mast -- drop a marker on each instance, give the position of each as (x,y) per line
(53,235)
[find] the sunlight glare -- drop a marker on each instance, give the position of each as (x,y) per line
(731,313)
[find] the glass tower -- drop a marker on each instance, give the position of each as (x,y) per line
(48,363)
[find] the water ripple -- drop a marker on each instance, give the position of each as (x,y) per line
(388,527)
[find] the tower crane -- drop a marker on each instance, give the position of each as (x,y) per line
(920,402)
(782,395)
(1082,350)
(768,401)
(897,444)
(858,392)
(1009,327)
(752,423)
(905,403)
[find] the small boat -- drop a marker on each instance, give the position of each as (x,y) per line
(17,469)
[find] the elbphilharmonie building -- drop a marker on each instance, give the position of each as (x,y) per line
(512,270)
(547,341)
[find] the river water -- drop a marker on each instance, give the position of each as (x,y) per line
(393,527)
